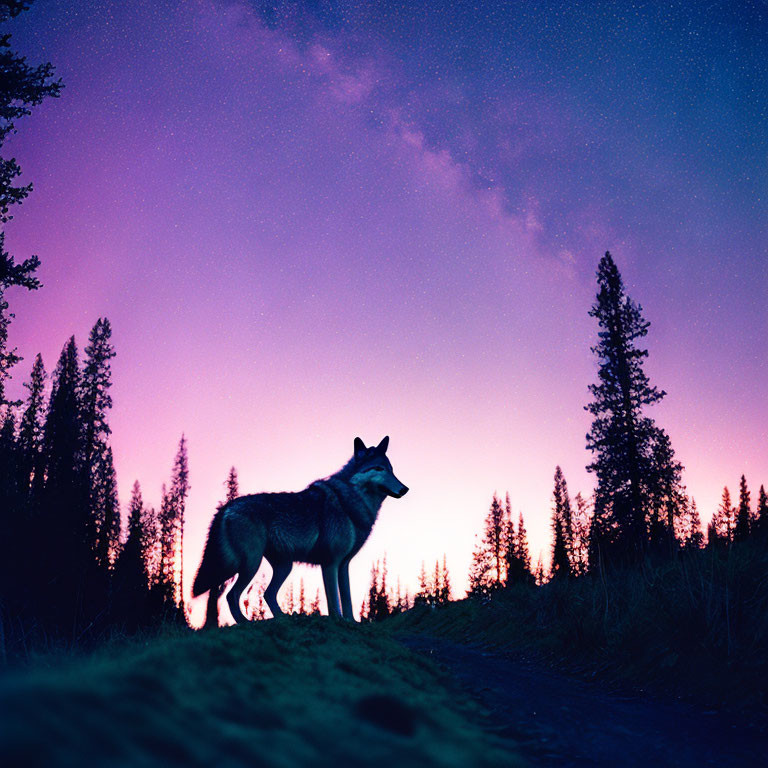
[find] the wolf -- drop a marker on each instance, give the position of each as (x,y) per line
(326,524)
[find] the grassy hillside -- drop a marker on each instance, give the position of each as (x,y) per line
(300,691)
(696,625)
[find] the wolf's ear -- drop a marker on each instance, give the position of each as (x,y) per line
(382,446)
(360,448)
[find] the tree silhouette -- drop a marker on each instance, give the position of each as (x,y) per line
(690,533)
(12,520)
(379,605)
(21,87)
(518,556)
(31,430)
(232,485)
(106,511)
(667,500)
(443,591)
(743,514)
(628,447)
(302,598)
(171,525)
(425,589)
(488,571)
(720,530)
(562,540)
(581,526)
(762,513)
(67,535)
(131,568)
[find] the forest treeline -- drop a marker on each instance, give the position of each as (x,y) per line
(69,568)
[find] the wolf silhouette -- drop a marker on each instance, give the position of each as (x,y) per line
(326,524)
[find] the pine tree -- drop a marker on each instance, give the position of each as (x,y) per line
(179,492)
(761,523)
(562,543)
(422,596)
(582,522)
(165,582)
(21,87)
(488,571)
(107,506)
(444,591)
(63,432)
(31,430)
(130,567)
(621,438)
(378,604)
(397,607)
(302,598)
(9,463)
(13,523)
(383,605)
(743,515)
(150,546)
(172,510)
(518,556)
(65,534)
(693,537)
(314,609)
(232,485)
(95,398)
(667,499)
(721,528)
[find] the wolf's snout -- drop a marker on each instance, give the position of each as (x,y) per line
(402,493)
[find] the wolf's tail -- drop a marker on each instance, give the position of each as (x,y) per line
(219,562)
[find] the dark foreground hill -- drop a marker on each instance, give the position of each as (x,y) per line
(304,691)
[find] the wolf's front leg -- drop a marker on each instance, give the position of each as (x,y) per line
(331,584)
(346,597)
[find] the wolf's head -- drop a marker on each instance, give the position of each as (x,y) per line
(373,469)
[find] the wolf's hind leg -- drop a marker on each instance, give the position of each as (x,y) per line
(212,609)
(244,578)
(280,572)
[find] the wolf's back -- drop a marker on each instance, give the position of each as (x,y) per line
(219,562)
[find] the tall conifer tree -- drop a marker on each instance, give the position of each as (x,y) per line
(31,429)
(66,536)
(21,87)
(743,514)
(130,568)
(562,540)
(233,490)
(723,522)
(621,438)
(761,515)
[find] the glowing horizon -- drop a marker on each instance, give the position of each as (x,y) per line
(314,226)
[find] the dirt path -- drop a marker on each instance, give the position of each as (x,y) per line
(560,721)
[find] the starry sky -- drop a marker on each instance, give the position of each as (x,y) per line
(311,221)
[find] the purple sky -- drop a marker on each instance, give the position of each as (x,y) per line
(327,220)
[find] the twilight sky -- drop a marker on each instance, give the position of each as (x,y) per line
(310,221)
